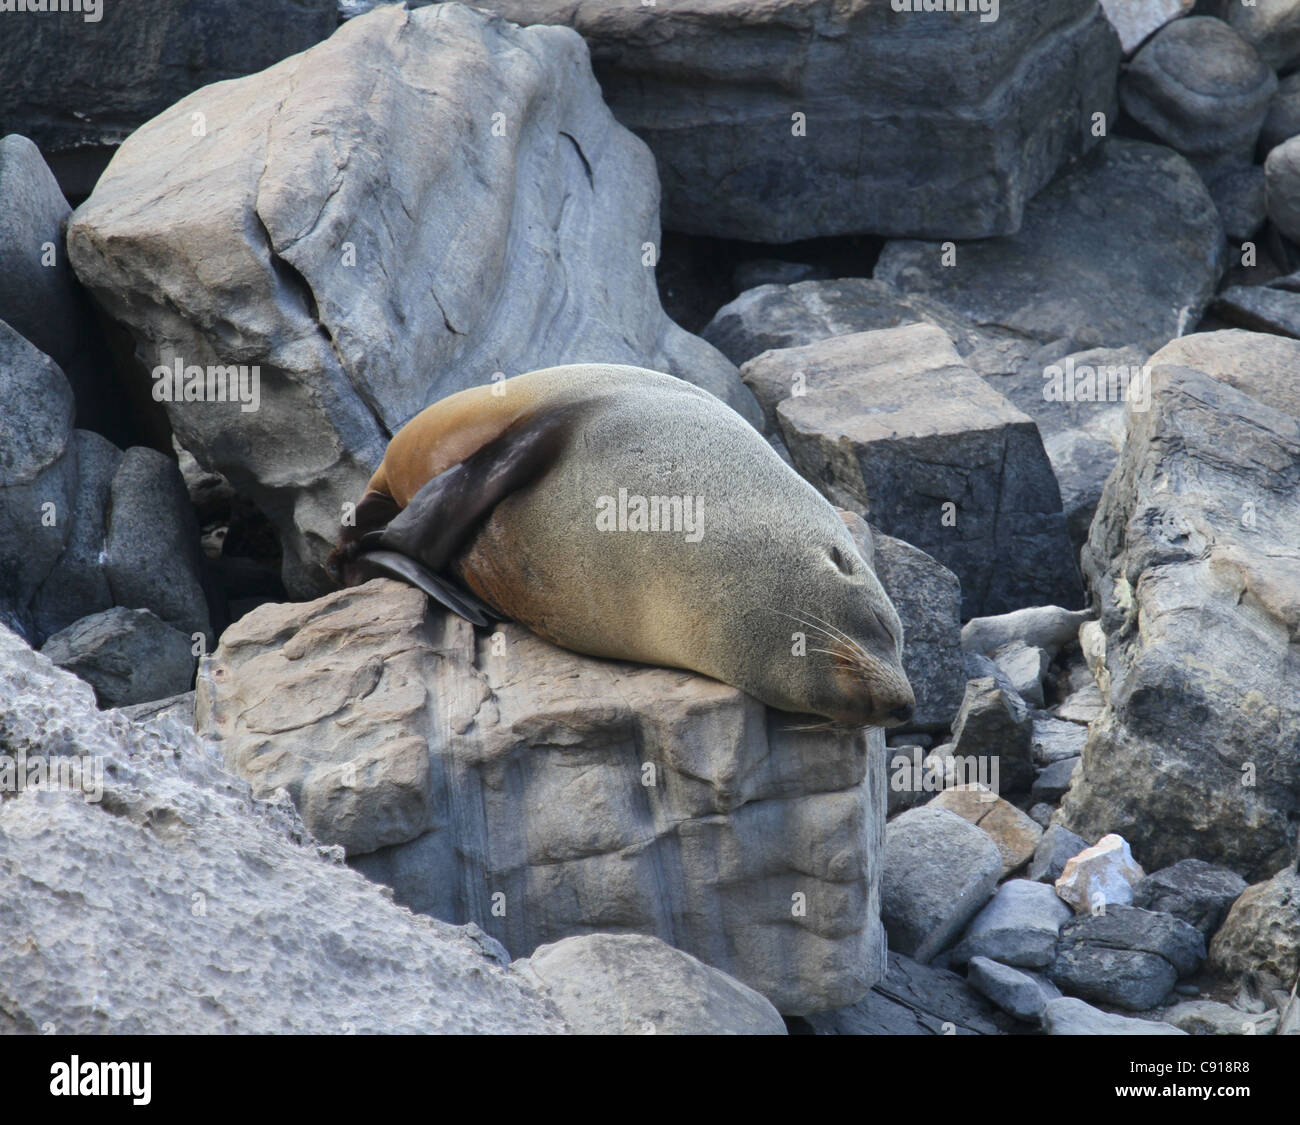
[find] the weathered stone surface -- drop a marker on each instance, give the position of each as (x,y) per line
(1057,847)
(1126,956)
(1014,833)
(1054,781)
(1260,308)
(1048,627)
(1016,993)
(1102,875)
(994,725)
(1081,706)
(127,655)
(38,470)
(1193,890)
(1255,363)
(1282,187)
(79,86)
(1135,20)
(593,795)
(1198,538)
(1123,248)
(712,86)
(1262,930)
(792,316)
(1055,739)
(519,251)
(178,904)
(1283,120)
(1019,926)
(1240,192)
(39,296)
(914,999)
(1068,1016)
(892,425)
(1200,88)
(151,546)
(631,984)
(1209,1017)
(927,596)
(939,869)
(1025,666)
(1272,27)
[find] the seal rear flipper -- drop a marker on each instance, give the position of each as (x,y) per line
(390,564)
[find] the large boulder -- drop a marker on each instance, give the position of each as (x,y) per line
(499,779)
(779,120)
(1123,248)
(893,425)
(1194,558)
(80,83)
(256,223)
(1200,88)
(631,984)
(152,893)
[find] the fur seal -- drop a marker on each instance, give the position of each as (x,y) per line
(624,513)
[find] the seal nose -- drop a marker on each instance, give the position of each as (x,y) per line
(902,714)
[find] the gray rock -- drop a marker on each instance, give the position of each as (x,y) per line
(1240,193)
(1053,782)
(927,596)
(792,316)
(989,725)
(1068,1016)
(37,472)
(1082,706)
(39,296)
(1041,814)
(1135,20)
(914,999)
(499,779)
(712,88)
(78,585)
(179,707)
(1135,272)
(1272,28)
(631,984)
(81,86)
(1057,847)
(1018,927)
(1025,666)
(151,547)
(939,870)
(179,904)
(522,250)
(127,655)
(1256,364)
(1282,187)
(1015,833)
(1016,993)
(1200,88)
(1056,739)
(1209,1017)
(1126,957)
(1195,891)
(1198,537)
(1283,120)
(1262,930)
(892,425)
(1260,308)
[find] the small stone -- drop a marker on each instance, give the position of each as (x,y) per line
(990,725)
(1014,833)
(1057,847)
(1016,993)
(1048,627)
(1018,927)
(1209,1017)
(1083,706)
(1193,890)
(1055,739)
(1025,666)
(1068,1016)
(1041,814)
(1105,873)
(1053,781)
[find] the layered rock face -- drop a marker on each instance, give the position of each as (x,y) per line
(542,794)
(429,200)
(149,892)
(779,120)
(1195,559)
(81,82)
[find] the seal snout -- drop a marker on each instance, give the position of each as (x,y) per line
(903,714)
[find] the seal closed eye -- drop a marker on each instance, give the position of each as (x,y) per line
(513,501)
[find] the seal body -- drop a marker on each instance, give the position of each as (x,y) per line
(627,514)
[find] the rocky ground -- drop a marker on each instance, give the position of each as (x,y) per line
(1021,297)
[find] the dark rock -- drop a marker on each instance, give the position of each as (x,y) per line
(1283,120)
(1260,309)
(1057,847)
(1197,892)
(1053,782)
(1019,994)
(1019,926)
(989,725)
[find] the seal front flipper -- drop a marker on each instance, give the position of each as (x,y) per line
(373,564)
